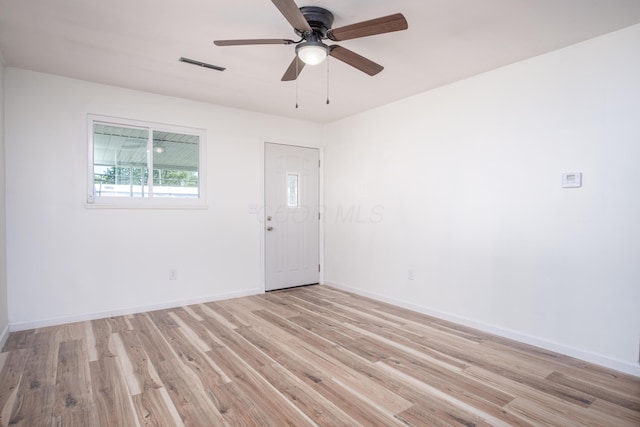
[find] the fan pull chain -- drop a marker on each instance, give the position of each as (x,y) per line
(328,80)
(297,73)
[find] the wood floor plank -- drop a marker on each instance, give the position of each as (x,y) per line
(90,340)
(395,339)
(438,414)
(615,414)
(188,396)
(162,319)
(343,337)
(272,302)
(311,374)
(314,355)
(475,408)
(41,363)
(138,371)
(101,338)
(276,409)
(298,331)
(33,408)
(411,389)
(245,311)
(205,313)
(35,398)
(67,332)
(519,373)
(148,334)
(420,319)
(19,340)
(218,307)
(617,382)
(188,330)
(205,340)
(118,324)
(314,405)
(519,359)
(10,377)
(379,395)
(112,400)
(530,397)
(152,409)
(207,372)
(487,400)
(236,407)
(190,310)
(629,402)
(251,355)
(324,310)
(467,389)
(73,399)
(543,415)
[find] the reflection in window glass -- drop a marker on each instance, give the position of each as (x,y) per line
(175,164)
(122,156)
(293,181)
(120,164)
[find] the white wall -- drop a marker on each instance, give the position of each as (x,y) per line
(462,185)
(4,315)
(67,262)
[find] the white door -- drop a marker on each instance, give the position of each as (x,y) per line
(291,216)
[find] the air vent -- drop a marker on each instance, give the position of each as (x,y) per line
(201,64)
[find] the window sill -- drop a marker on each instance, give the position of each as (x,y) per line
(147,204)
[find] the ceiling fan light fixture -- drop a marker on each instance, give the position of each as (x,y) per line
(312,52)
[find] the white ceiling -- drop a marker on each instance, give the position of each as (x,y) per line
(137,44)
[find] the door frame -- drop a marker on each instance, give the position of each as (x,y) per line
(261,216)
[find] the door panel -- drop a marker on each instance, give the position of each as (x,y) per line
(291,216)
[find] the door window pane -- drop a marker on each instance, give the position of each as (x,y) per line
(293,182)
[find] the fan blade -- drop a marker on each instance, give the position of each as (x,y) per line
(357,61)
(251,42)
(290,10)
(386,24)
(294,70)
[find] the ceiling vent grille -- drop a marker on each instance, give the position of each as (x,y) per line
(201,64)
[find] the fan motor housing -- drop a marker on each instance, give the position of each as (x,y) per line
(320,20)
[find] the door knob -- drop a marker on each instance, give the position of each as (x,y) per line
(269,228)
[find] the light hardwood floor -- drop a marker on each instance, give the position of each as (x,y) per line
(306,356)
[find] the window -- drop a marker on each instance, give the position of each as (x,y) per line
(140,164)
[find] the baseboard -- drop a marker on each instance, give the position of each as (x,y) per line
(21,326)
(607,362)
(3,337)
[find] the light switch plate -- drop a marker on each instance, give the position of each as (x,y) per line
(572,180)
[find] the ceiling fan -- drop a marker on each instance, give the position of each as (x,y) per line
(313,25)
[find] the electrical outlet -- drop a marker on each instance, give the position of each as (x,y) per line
(173,274)
(410,274)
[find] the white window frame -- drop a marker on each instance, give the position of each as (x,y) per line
(93,201)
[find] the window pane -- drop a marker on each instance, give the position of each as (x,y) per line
(293,181)
(175,164)
(120,161)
